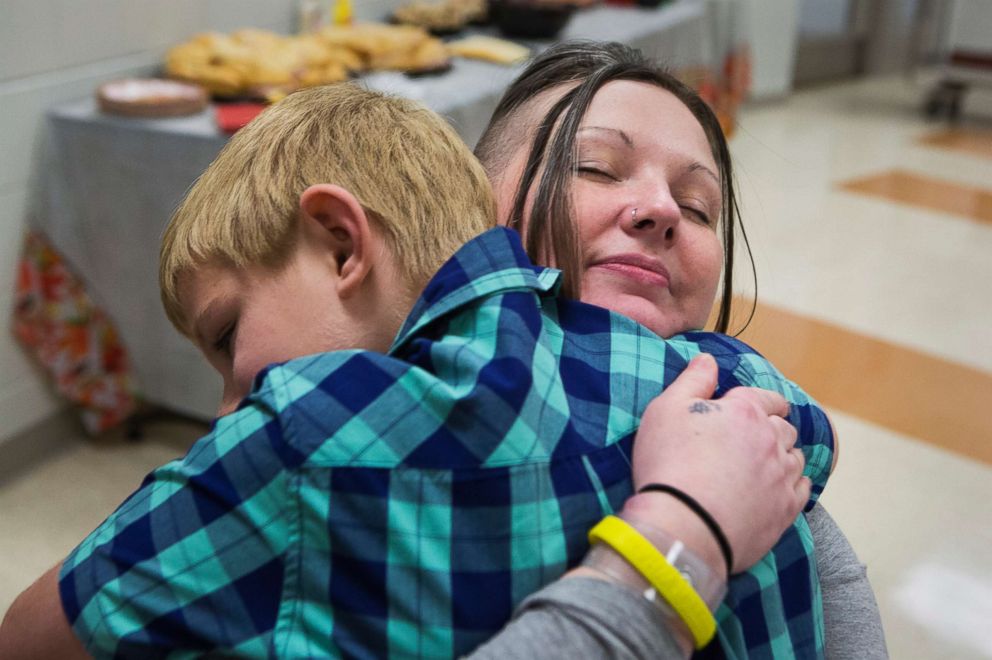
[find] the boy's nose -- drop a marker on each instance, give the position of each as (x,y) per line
(228,404)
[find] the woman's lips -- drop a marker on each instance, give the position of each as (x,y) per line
(637,267)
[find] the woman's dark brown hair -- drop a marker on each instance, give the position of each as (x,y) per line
(551,236)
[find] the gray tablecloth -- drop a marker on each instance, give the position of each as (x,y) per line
(110,184)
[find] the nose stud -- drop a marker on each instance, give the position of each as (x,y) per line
(639,224)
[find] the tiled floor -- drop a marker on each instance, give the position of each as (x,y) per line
(46,512)
(875,275)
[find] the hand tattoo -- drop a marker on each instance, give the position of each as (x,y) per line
(703,407)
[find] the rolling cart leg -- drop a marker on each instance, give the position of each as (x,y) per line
(945,100)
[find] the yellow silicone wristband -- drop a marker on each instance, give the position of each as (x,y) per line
(667,581)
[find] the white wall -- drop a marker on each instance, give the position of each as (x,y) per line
(819,17)
(773,28)
(53,51)
(971,25)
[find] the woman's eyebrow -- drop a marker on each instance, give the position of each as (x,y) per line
(699,167)
(615,131)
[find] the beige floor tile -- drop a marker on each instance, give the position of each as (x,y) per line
(919,519)
(48,510)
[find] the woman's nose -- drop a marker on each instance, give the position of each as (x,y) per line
(657,217)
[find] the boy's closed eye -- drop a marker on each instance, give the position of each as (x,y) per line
(215,327)
(224,339)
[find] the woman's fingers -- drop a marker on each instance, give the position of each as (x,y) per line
(785,432)
(804,488)
(800,460)
(699,378)
(770,403)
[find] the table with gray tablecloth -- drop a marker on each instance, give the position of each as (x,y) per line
(110,184)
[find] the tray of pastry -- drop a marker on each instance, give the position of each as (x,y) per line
(254,63)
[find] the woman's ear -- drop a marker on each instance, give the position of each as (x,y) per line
(335,223)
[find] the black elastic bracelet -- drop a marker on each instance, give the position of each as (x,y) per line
(703,514)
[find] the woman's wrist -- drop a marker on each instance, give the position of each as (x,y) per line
(601,563)
(660,568)
(663,512)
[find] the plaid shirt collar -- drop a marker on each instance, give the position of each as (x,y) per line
(491,263)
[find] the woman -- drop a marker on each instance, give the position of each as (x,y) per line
(620,175)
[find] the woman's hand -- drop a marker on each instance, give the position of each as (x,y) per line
(734,455)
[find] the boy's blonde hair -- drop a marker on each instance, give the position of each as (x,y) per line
(407,167)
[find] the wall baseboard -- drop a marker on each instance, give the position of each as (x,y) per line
(22,451)
(27,399)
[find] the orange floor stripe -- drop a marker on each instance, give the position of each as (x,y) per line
(971,141)
(918,190)
(940,402)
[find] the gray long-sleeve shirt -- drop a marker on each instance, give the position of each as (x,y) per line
(583,617)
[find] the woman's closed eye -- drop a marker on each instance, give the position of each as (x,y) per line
(596,171)
(698,214)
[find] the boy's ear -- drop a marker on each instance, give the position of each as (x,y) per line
(334,220)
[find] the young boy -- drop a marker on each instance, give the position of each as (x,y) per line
(400,495)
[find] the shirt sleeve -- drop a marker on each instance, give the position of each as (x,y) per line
(194,559)
(583,618)
(852,623)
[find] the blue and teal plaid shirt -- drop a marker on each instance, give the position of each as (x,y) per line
(367,505)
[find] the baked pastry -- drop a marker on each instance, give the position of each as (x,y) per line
(389,47)
(441,16)
(262,64)
(258,63)
(151,97)
(489,49)
(213,60)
